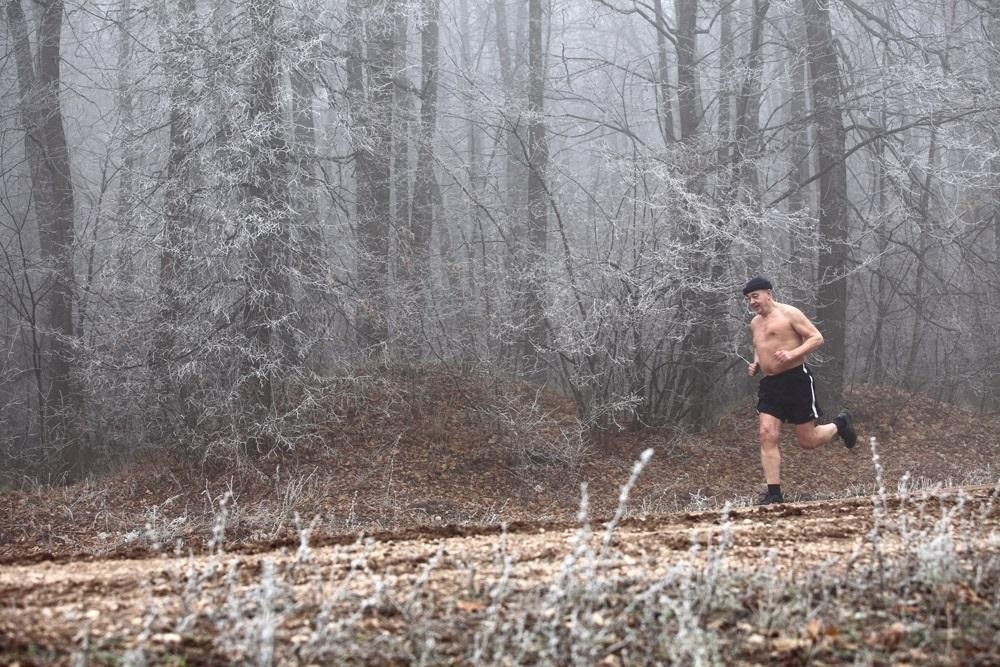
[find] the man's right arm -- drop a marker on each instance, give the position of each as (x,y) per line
(754,366)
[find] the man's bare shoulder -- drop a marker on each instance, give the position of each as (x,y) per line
(789,310)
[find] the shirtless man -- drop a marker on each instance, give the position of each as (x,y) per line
(782,339)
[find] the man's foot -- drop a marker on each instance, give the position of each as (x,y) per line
(771,498)
(845,429)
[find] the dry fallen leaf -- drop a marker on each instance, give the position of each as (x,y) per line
(470,606)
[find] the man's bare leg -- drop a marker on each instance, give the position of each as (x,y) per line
(810,435)
(770,454)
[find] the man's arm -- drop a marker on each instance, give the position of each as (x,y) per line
(754,366)
(812,339)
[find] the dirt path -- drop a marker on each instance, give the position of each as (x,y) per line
(214,608)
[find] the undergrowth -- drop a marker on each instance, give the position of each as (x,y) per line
(918,587)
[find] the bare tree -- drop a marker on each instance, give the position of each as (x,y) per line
(831,294)
(308,239)
(571,191)
(698,298)
(665,97)
(370,81)
(426,196)
(126,196)
(538,200)
(512,118)
(418,226)
(266,213)
(178,232)
(795,102)
(39,87)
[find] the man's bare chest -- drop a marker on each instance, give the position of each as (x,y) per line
(773,330)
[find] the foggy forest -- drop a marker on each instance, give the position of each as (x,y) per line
(411,332)
(217,216)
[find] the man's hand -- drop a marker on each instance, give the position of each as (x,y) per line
(783,356)
(753,368)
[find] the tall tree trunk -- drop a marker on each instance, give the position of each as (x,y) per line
(403,131)
(513,130)
(426,196)
(664,97)
(746,138)
(993,220)
(126,110)
(308,246)
(993,347)
(538,201)
(178,226)
(266,214)
(689,106)
(52,191)
(308,242)
(370,84)
(875,362)
(801,262)
(726,82)
(698,300)
(923,253)
(831,294)
(475,251)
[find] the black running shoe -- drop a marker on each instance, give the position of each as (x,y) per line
(845,429)
(771,498)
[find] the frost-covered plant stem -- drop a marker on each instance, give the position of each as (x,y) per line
(880,509)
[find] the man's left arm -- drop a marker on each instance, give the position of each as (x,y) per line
(812,339)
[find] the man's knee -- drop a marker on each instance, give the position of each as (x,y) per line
(770,432)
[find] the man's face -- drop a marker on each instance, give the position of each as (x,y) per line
(758,298)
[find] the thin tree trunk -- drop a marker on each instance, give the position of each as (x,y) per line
(923,252)
(664,97)
(267,211)
(698,300)
(402,139)
(467,287)
(875,361)
(370,84)
(426,196)
(801,262)
(52,191)
(175,256)
(687,68)
(747,131)
(831,295)
(126,109)
(538,160)
(993,216)
(513,130)
(308,242)
(726,82)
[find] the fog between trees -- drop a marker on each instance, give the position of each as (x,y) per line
(218,217)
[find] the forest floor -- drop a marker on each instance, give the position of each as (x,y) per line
(420,527)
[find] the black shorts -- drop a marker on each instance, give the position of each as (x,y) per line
(789,396)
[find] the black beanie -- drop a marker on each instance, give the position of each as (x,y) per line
(757,283)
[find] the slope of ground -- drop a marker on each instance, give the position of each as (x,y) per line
(436,522)
(444,449)
(908,579)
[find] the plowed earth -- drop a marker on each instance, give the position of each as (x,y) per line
(420,545)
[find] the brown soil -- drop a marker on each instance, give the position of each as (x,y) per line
(79,566)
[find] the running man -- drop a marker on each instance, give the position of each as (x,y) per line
(783,337)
